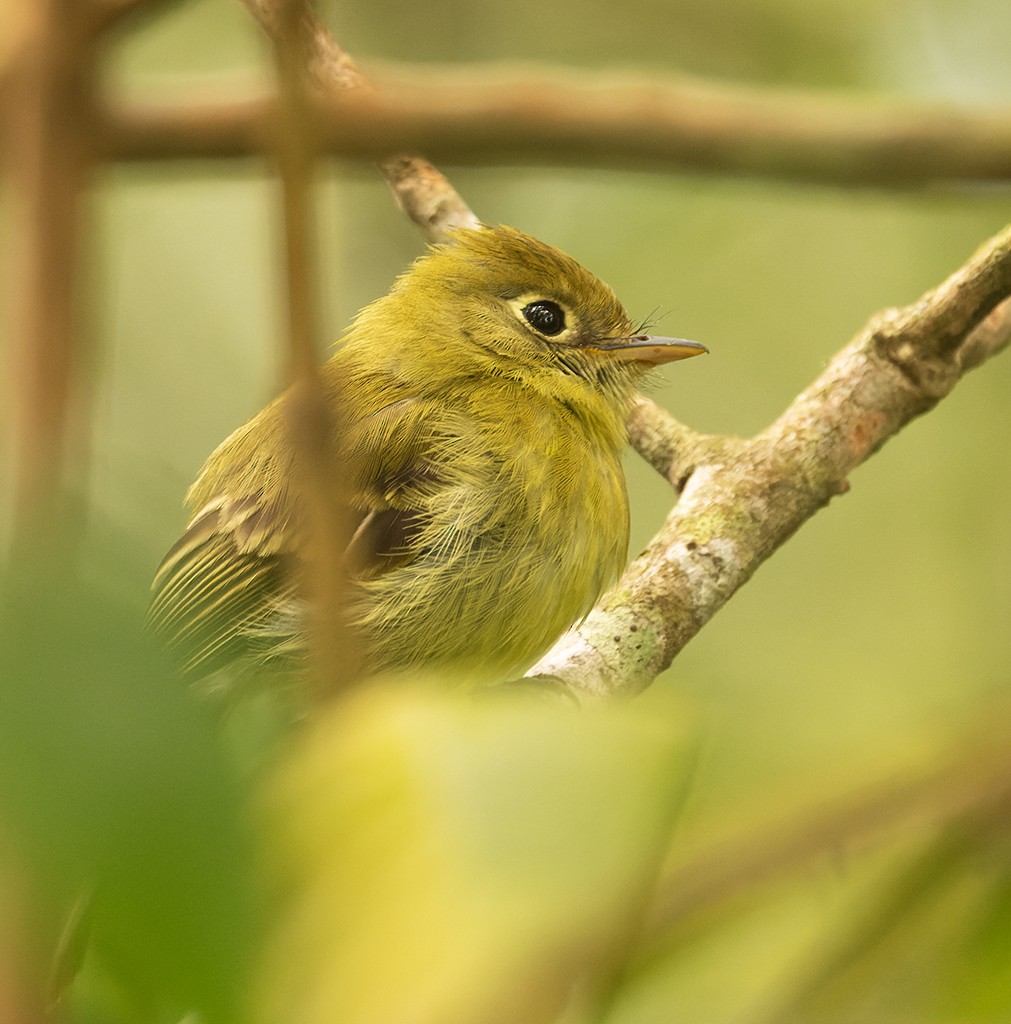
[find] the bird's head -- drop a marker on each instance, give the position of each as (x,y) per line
(498,299)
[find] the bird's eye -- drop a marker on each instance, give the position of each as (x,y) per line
(545,317)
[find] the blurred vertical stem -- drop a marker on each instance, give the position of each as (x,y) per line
(48,125)
(422,191)
(313,421)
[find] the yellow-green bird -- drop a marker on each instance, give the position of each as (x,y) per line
(483,405)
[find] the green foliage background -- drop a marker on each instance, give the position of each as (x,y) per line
(878,631)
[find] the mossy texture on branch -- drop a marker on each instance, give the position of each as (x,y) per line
(742,498)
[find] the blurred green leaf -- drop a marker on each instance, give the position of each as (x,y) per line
(461,862)
(112,783)
(978,985)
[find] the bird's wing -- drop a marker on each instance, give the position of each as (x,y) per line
(228,588)
(221,583)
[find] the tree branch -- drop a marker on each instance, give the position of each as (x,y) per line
(49,80)
(542,117)
(324,63)
(421,191)
(742,498)
(311,420)
(105,14)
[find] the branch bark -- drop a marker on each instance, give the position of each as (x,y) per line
(543,117)
(742,498)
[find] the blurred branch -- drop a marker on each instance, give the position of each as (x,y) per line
(970,786)
(421,191)
(533,115)
(107,13)
(311,420)
(48,85)
(892,919)
(742,498)
(321,61)
(476,116)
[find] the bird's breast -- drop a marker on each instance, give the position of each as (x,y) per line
(526,526)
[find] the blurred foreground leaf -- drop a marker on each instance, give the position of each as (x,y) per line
(931,945)
(887,900)
(114,792)
(463,862)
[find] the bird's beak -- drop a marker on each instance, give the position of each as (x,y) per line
(649,348)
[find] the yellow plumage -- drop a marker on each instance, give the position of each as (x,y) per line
(483,404)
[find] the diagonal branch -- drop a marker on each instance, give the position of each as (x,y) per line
(741,499)
(324,63)
(969,781)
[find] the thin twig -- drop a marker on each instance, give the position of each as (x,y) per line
(322,61)
(669,446)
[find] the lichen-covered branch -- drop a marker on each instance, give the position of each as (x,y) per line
(742,498)
(739,498)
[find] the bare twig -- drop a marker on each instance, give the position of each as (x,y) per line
(424,193)
(324,64)
(669,446)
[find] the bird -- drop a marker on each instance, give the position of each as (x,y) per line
(482,421)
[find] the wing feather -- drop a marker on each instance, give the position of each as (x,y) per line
(228,588)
